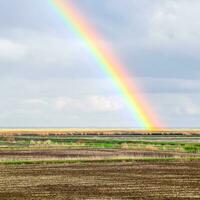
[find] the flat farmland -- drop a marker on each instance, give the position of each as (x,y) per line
(136,180)
(152,167)
(24,149)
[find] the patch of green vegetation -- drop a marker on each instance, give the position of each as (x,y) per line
(106,160)
(191,148)
(99,142)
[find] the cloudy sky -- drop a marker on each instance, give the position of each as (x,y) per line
(47,77)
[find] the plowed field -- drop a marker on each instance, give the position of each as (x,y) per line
(137,180)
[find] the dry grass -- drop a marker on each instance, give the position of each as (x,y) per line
(100,131)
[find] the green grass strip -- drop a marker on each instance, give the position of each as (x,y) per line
(149,159)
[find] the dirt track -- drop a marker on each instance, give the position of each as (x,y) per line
(138,180)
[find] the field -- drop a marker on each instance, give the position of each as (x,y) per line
(105,165)
(137,180)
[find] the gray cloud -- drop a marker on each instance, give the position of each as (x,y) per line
(47,75)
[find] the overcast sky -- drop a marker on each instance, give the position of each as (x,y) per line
(47,77)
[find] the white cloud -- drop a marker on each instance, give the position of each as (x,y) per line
(155,25)
(177,106)
(175,24)
(48,50)
(91,103)
(102,103)
(11,51)
(188,107)
(170,85)
(63,103)
(36,102)
(42,49)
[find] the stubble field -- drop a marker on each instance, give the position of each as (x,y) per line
(137,180)
(152,167)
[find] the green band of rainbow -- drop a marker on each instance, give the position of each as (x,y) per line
(109,64)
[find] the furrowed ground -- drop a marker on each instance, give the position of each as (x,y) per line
(137,180)
(91,167)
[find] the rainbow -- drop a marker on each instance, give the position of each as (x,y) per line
(109,63)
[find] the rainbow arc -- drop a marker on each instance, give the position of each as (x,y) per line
(112,67)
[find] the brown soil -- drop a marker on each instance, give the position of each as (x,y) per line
(86,153)
(137,180)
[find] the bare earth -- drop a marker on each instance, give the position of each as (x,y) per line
(137,180)
(105,152)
